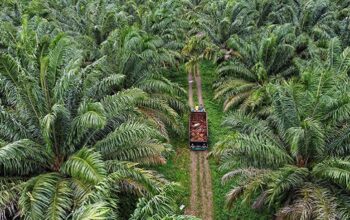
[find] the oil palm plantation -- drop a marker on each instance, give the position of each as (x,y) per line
(92,22)
(297,160)
(220,20)
(70,144)
(139,51)
(244,80)
(343,16)
(259,13)
(312,23)
(333,57)
(142,59)
(316,18)
(85,104)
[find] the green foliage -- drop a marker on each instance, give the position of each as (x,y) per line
(246,79)
(83,106)
(282,71)
(217,133)
(156,206)
(288,156)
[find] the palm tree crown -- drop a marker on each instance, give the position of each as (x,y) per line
(245,78)
(72,137)
(297,159)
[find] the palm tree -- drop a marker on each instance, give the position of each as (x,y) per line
(220,20)
(332,56)
(11,11)
(343,17)
(158,207)
(258,12)
(312,24)
(142,59)
(118,49)
(93,21)
(198,48)
(136,50)
(295,161)
(69,145)
(316,18)
(167,21)
(244,80)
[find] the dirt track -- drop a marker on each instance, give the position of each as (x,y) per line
(201,187)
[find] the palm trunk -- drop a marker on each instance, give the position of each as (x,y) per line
(190,89)
(199,85)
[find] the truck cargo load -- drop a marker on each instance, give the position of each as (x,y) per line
(198,131)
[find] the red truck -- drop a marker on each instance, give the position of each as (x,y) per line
(198,131)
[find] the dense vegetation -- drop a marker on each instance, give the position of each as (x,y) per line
(285,83)
(86,107)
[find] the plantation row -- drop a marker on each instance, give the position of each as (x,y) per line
(86,108)
(284,80)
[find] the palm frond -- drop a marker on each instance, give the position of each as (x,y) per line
(38,195)
(22,157)
(260,152)
(9,194)
(125,132)
(94,211)
(61,201)
(248,124)
(156,207)
(85,165)
(133,179)
(122,101)
(286,179)
(337,170)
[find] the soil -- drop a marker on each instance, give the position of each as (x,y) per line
(193,201)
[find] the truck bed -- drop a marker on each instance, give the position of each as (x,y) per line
(198,131)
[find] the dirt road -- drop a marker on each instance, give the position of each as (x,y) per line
(201,186)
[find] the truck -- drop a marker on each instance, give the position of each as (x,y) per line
(198,131)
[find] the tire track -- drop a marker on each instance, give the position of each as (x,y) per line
(201,188)
(194,184)
(208,188)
